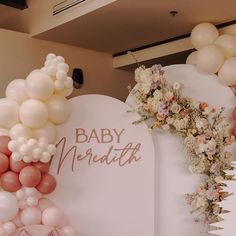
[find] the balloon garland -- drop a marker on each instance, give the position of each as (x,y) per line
(29,115)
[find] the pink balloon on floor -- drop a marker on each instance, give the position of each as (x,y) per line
(4,163)
(4,140)
(31,216)
(10,181)
(17,166)
(30,176)
(47,184)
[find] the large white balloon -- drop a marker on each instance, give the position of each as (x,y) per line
(16,90)
(8,206)
(9,113)
(20,130)
(203,34)
(227,73)
(39,85)
(58,109)
(192,58)
(210,58)
(33,113)
(228,43)
(49,131)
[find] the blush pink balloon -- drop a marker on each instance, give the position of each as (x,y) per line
(17,166)
(69,231)
(54,217)
(30,176)
(4,140)
(234,114)
(10,181)
(43,167)
(31,216)
(4,163)
(47,184)
(44,203)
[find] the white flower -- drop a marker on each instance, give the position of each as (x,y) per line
(189,141)
(158,94)
(199,124)
(176,86)
(201,148)
(175,108)
(152,104)
(170,120)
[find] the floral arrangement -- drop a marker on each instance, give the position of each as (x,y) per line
(204,131)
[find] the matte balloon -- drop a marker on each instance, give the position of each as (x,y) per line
(16,90)
(43,167)
(227,73)
(209,59)
(33,113)
(39,86)
(48,130)
(69,231)
(20,130)
(17,166)
(9,110)
(10,181)
(228,43)
(54,217)
(58,109)
(30,176)
(203,34)
(4,163)
(192,58)
(31,216)
(47,184)
(8,206)
(4,140)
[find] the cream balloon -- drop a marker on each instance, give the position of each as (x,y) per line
(192,58)
(228,43)
(8,206)
(58,109)
(33,113)
(39,85)
(65,92)
(227,73)
(203,34)
(49,131)
(9,110)
(16,90)
(230,29)
(20,130)
(210,58)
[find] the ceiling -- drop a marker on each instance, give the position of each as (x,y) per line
(128,24)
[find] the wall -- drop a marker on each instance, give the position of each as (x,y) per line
(20,54)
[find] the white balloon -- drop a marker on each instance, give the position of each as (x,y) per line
(227,73)
(63,66)
(228,43)
(16,90)
(52,149)
(33,113)
(231,29)
(51,56)
(38,85)
(13,145)
(48,130)
(61,75)
(69,82)
(58,109)
(9,113)
(65,92)
(60,59)
(8,206)
(210,58)
(46,157)
(203,34)
(192,58)
(16,156)
(20,130)
(59,85)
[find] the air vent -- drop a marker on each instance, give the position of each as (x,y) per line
(66,5)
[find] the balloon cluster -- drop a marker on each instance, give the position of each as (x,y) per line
(216,54)
(29,115)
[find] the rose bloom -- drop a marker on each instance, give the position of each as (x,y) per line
(175,108)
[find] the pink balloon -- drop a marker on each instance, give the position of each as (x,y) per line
(234,114)
(4,140)
(10,181)
(9,228)
(4,163)
(31,216)
(44,203)
(30,176)
(47,184)
(54,217)
(69,231)
(17,166)
(43,167)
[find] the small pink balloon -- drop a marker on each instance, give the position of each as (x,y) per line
(44,203)
(234,114)
(30,176)
(17,166)
(47,184)
(4,140)
(54,217)
(31,216)
(43,167)
(69,231)
(9,181)
(4,163)
(234,129)
(9,228)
